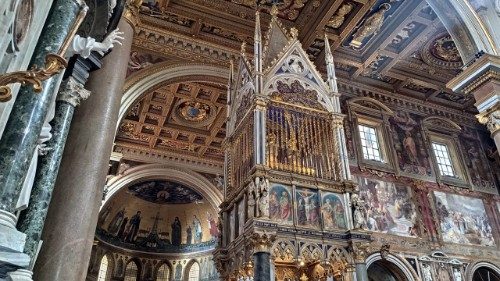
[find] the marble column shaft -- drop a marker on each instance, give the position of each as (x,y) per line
(262,266)
(72,216)
(32,219)
(361,272)
(25,122)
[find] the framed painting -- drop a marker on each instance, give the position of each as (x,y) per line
(307,207)
(333,212)
(281,204)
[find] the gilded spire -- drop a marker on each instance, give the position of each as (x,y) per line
(274,11)
(330,67)
(258,54)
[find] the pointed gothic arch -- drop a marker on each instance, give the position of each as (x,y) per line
(396,262)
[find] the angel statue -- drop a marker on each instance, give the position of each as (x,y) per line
(84,46)
(371,26)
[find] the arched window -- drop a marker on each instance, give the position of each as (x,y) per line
(163,273)
(104,273)
(194,272)
(131,272)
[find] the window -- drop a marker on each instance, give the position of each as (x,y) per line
(163,273)
(103,269)
(194,272)
(369,143)
(131,272)
(443,159)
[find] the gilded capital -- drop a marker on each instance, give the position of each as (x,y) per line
(491,118)
(262,242)
(131,12)
(359,251)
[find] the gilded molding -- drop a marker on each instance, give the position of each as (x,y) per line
(131,12)
(262,242)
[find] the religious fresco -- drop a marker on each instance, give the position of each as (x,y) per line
(173,223)
(333,211)
(475,160)
(307,207)
(140,60)
(463,219)
(165,192)
(280,204)
(412,155)
(388,207)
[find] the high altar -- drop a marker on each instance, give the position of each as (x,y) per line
(288,191)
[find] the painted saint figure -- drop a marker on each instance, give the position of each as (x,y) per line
(176,232)
(189,235)
(116,222)
(198,232)
(212,225)
(134,223)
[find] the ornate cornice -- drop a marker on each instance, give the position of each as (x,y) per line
(484,69)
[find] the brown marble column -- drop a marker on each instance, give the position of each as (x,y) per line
(72,216)
(482,79)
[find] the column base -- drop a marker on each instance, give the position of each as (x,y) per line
(21,275)
(11,245)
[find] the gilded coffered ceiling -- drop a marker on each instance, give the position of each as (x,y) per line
(394,46)
(186,118)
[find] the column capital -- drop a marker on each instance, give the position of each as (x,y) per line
(72,92)
(491,118)
(360,250)
(262,242)
(131,12)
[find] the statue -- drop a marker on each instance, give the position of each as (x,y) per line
(358,206)
(263,198)
(84,46)
(338,19)
(251,193)
(457,275)
(426,272)
(371,26)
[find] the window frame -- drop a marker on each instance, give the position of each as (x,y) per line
(169,269)
(460,177)
(138,272)
(378,141)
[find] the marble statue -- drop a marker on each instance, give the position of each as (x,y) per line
(84,46)
(457,275)
(426,273)
(359,217)
(263,198)
(251,199)
(371,26)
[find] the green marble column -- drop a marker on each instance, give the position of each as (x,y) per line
(32,219)
(25,122)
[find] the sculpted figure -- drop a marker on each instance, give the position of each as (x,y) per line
(263,198)
(251,193)
(359,217)
(84,46)
(338,19)
(371,26)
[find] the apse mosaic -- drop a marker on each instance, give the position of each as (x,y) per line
(388,207)
(164,192)
(154,220)
(463,219)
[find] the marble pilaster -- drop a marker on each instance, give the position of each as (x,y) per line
(32,219)
(23,128)
(359,251)
(65,254)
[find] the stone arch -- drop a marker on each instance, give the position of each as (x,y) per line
(398,262)
(284,251)
(188,267)
(164,73)
(437,121)
(166,172)
(367,102)
(159,265)
(469,272)
(137,263)
(466,26)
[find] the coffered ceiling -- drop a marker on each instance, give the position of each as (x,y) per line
(399,46)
